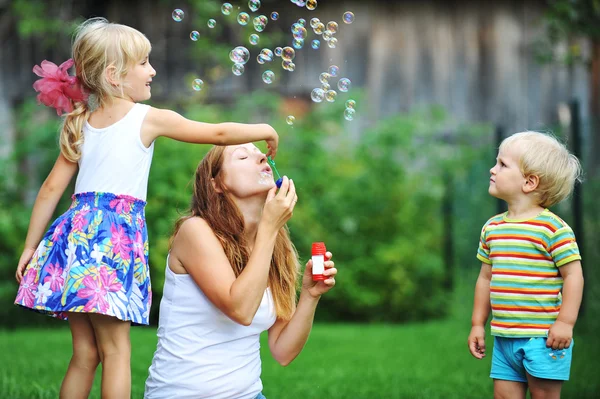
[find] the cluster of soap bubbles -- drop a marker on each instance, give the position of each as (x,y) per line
(240,54)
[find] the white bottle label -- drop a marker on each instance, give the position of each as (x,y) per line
(318,264)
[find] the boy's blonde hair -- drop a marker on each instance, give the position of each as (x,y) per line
(98,45)
(544,156)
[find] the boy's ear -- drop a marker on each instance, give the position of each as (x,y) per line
(531,183)
(214,183)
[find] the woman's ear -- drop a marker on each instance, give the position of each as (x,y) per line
(531,183)
(215,186)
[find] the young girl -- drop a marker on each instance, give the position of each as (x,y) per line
(91,266)
(531,276)
(230,275)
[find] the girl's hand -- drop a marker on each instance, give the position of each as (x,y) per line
(279,207)
(272,145)
(318,288)
(23,261)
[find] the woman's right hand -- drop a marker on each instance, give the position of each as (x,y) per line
(279,206)
(23,261)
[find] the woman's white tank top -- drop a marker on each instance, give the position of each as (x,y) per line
(114,159)
(202,353)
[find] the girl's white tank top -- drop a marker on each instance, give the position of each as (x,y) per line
(202,353)
(114,159)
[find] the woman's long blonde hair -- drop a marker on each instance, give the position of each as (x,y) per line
(98,45)
(227,222)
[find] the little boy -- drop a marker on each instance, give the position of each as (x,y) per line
(531,275)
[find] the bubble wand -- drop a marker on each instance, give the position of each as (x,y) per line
(272,164)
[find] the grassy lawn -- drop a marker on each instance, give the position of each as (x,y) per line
(428,360)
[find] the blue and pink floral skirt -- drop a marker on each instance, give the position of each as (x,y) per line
(93,259)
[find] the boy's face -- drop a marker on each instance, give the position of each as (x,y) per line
(506,180)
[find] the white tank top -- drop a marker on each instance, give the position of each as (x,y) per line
(114,159)
(202,353)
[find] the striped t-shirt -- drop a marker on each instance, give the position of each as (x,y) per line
(525,290)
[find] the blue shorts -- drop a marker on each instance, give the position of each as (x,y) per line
(512,357)
(260,396)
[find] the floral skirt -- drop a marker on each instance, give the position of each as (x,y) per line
(93,259)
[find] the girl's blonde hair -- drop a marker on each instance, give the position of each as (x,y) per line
(544,156)
(97,46)
(225,219)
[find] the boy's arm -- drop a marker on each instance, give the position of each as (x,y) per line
(561,332)
(481,311)
(162,122)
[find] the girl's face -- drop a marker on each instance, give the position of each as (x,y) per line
(506,180)
(245,171)
(136,84)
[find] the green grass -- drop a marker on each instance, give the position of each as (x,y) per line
(428,360)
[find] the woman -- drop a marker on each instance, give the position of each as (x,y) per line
(231,274)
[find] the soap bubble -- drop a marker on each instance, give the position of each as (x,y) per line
(350,104)
(317,95)
(288,65)
(330,95)
(278,51)
(327,35)
(300,33)
(194,35)
(260,59)
(177,15)
(237,69)
(268,76)
(226,8)
(258,25)
(334,70)
(325,86)
(311,4)
(315,44)
(290,119)
(314,22)
(239,55)
(332,26)
(348,17)
(298,43)
(319,28)
(288,53)
(243,18)
(324,77)
(349,114)
(211,23)
(344,84)
(254,5)
(267,54)
(274,15)
(197,84)
(254,39)
(302,22)
(332,43)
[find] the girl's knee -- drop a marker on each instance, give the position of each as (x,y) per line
(86,354)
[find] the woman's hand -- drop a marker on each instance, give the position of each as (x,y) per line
(279,207)
(317,288)
(23,261)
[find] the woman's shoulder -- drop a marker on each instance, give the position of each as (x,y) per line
(192,228)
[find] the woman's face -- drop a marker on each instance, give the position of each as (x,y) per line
(245,171)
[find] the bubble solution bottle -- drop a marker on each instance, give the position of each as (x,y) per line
(318,259)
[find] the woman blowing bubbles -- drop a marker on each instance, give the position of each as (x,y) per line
(231,274)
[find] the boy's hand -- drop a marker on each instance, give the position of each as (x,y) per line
(559,335)
(477,342)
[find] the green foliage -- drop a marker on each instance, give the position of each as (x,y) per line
(566,20)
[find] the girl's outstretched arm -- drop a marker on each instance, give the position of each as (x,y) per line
(161,122)
(45,203)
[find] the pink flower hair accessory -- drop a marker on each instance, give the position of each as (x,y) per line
(56,88)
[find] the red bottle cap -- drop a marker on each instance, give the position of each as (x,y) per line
(318,248)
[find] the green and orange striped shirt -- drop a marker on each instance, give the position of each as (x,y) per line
(526,285)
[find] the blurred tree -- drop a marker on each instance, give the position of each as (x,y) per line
(569,20)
